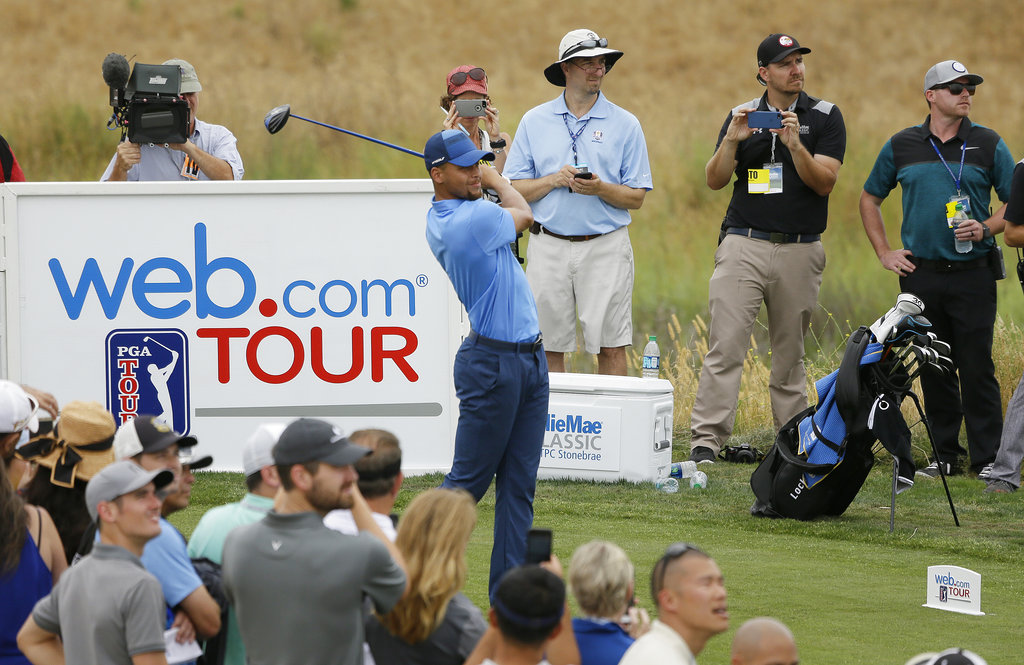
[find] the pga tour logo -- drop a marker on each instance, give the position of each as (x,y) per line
(147,374)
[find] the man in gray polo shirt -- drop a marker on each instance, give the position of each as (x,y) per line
(107,608)
(209,153)
(297,587)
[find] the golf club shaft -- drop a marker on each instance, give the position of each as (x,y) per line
(361,136)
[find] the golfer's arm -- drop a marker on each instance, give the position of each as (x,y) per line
(515,204)
(40,646)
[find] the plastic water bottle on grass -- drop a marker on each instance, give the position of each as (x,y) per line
(683,469)
(668,485)
(699,480)
(652,358)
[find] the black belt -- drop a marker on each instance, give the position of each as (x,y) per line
(777,238)
(537,228)
(949,266)
(501,345)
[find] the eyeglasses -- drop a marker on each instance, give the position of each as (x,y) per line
(585,44)
(590,67)
(458,78)
(674,551)
(956,89)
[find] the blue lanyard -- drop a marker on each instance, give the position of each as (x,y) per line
(573,137)
(956,178)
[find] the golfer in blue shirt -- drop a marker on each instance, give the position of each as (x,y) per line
(501,374)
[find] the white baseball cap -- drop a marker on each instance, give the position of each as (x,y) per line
(18,409)
(258,451)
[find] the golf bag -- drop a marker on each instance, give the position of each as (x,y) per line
(792,480)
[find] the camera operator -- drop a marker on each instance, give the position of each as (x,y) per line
(210,153)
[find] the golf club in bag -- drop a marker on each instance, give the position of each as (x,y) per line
(823,455)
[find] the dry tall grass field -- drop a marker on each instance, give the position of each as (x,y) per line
(378,68)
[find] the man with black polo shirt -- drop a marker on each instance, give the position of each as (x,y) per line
(770,245)
(946,160)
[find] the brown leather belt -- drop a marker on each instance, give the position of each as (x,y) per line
(537,228)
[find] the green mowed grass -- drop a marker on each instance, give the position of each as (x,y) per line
(851,591)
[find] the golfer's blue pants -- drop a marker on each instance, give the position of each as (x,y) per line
(503,405)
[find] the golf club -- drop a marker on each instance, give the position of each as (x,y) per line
(943,348)
(276,118)
(147,338)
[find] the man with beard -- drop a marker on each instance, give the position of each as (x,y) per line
(769,247)
(297,587)
(501,375)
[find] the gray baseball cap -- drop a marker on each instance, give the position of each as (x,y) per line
(120,478)
(189,79)
(946,71)
(313,440)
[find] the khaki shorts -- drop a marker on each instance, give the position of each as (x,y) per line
(595,278)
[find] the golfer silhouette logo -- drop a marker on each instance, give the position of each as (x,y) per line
(159,377)
(148,374)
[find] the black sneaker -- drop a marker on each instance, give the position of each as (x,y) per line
(702,455)
(932,470)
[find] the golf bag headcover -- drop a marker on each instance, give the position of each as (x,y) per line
(823,455)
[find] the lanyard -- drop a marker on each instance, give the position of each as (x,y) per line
(573,137)
(956,178)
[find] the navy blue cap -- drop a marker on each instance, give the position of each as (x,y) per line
(452,146)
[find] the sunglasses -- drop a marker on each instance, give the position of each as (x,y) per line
(674,551)
(584,45)
(956,89)
(458,78)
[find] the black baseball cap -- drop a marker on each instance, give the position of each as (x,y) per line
(775,47)
(313,440)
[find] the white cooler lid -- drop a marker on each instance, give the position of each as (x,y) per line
(565,382)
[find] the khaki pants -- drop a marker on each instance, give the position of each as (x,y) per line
(786,277)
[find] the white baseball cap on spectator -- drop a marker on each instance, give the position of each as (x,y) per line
(258,451)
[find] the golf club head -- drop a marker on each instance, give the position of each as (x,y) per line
(277,117)
(945,364)
(942,348)
(908,328)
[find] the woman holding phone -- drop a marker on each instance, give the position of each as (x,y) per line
(468,84)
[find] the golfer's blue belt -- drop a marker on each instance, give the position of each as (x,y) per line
(502,345)
(777,238)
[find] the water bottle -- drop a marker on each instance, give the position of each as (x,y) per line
(668,485)
(683,469)
(699,480)
(652,358)
(962,246)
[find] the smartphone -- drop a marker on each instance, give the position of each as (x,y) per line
(538,545)
(764,119)
(471,108)
(583,173)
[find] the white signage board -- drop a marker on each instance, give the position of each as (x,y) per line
(224,305)
(954,589)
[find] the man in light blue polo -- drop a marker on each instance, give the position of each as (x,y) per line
(501,374)
(581,163)
(209,153)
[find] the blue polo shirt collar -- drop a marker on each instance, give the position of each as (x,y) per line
(600,109)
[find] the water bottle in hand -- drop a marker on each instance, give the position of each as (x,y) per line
(962,246)
(652,358)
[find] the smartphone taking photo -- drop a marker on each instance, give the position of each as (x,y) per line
(764,120)
(471,108)
(538,545)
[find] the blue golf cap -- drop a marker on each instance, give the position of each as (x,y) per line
(452,146)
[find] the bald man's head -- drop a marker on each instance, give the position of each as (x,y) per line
(764,641)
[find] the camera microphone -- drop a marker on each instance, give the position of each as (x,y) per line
(116,71)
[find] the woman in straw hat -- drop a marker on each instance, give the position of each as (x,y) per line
(79,446)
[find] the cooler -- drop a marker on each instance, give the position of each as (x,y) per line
(607,428)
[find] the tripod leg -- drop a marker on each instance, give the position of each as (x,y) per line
(935,451)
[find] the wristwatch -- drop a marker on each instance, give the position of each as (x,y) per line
(500,143)
(986,232)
